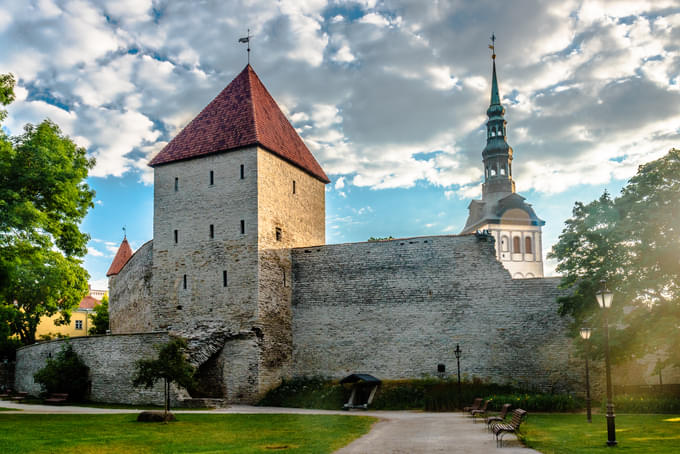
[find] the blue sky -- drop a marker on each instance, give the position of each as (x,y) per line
(390,96)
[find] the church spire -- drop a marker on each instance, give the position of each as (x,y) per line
(497,154)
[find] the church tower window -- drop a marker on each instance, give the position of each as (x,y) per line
(224,278)
(212,231)
(243,172)
(243,227)
(176,184)
(293,186)
(527,245)
(184,282)
(516,245)
(278,234)
(212,178)
(176,236)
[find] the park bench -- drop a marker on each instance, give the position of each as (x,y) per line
(475,405)
(501,428)
(6,394)
(480,411)
(57,398)
(20,396)
(499,417)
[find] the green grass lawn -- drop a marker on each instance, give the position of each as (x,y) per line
(191,433)
(571,433)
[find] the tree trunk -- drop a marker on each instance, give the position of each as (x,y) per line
(167,398)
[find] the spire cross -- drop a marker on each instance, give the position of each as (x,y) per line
(492,46)
(246,40)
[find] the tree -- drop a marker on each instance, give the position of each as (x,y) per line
(100,319)
(43,199)
(66,373)
(632,243)
(170,366)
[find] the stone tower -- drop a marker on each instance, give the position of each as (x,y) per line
(233,192)
(504,213)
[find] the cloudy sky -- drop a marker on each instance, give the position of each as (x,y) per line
(390,96)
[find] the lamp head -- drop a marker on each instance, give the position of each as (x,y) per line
(585,333)
(457,351)
(604,298)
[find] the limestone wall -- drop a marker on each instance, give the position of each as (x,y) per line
(111,361)
(191,209)
(292,202)
(395,309)
(130,303)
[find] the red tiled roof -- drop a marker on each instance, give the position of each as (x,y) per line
(122,256)
(89,302)
(243,114)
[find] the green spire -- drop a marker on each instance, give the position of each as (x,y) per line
(495,98)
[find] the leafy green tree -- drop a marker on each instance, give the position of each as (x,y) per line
(632,243)
(170,366)
(100,318)
(6,92)
(66,373)
(43,199)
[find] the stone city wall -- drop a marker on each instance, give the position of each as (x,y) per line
(111,361)
(130,302)
(395,309)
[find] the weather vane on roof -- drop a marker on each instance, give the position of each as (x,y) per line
(124,232)
(492,46)
(246,40)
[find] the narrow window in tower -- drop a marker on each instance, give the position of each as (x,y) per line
(516,246)
(527,245)
(504,244)
(224,278)
(184,282)
(243,172)
(176,184)
(212,231)
(502,170)
(285,284)
(176,236)
(243,227)
(493,172)
(212,178)
(293,186)
(278,234)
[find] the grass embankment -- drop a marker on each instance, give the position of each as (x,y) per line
(571,434)
(108,434)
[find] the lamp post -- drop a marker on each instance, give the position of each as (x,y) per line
(458,351)
(604,299)
(585,335)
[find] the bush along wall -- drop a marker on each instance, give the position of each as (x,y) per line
(430,394)
(66,373)
(644,404)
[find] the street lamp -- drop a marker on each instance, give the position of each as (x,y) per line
(585,335)
(604,299)
(458,351)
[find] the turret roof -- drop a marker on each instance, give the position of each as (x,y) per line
(122,256)
(243,114)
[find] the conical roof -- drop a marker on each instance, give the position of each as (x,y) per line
(243,114)
(122,256)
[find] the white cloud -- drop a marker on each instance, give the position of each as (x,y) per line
(340,183)
(94,252)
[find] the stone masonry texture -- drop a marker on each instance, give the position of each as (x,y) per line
(111,360)
(396,309)
(130,300)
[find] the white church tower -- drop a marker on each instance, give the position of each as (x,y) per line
(502,212)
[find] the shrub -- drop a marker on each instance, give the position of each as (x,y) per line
(644,404)
(66,373)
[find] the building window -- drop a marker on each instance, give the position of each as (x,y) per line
(224,278)
(293,186)
(176,236)
(184,282)
(212,231)
(278,234)
(504,244)
(243,227)
(527,245)
(212,178)
(243,172)
(516,246)
(79,324)
(176,184)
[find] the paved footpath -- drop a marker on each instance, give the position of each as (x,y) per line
(396,432)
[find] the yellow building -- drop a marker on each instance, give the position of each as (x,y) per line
(80,319)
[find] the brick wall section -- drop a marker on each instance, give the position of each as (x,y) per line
(130,303)
(396,309)
(300,216)
(111,361)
